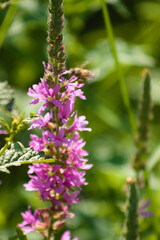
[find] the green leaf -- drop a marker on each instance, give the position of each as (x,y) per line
(17,154)
(4,125)
(18,124)
(20,233)
(6,97)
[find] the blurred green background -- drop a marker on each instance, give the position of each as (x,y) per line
(99,216)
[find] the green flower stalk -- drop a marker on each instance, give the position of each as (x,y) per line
(123,88)
(132,225)
(145,115)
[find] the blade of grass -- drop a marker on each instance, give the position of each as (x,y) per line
(7,22)
(123,88)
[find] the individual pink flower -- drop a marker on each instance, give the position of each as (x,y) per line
(66,110)
(67,236)
(79,124)
(37,143)
(58,139)
(41,122)
(33,222)
(71,198)
(43,93)
(72,87)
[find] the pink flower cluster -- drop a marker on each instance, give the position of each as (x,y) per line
(60,184)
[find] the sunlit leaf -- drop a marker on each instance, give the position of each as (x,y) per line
(17,154)
(4,125)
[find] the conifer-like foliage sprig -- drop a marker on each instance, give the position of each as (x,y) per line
(145,115)
(56,52)
(132,225)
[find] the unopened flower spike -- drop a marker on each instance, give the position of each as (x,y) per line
(131,218)
(56,52)
(145,115)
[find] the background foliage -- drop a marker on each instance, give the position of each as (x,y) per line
(99,216)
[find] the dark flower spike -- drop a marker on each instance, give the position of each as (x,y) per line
(56,52)
(145,115)
(132,224)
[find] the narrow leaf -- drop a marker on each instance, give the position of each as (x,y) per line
(4,125)
(123,87)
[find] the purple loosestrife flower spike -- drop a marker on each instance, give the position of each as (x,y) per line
(59,184)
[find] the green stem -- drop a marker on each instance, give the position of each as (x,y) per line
(7,22)
(123,88)
(39,161)
(56,113)
(50,230)
(52,161)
